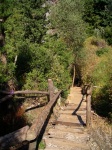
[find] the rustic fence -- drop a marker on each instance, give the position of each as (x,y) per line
(29,133)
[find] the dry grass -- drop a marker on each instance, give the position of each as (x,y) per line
(102,123)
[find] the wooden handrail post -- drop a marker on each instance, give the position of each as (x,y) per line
(88,106)
(50,89)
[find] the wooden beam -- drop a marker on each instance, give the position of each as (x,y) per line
(37,125)
(5,92)
(31,92)
(14,138)
(24,92)
(5,98)
(20,92)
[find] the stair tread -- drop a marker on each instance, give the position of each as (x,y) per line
(63,144)
(72,118)
(77,137)
(69,128)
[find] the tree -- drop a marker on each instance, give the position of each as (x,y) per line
(5,12)
(97,14)
(30,53)
(67,18)
(51,60)
(24,24)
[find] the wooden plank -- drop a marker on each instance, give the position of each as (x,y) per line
(13,138)
(69,124)
(72,112)
(64,144)
(69,128)
(68,108)
(68,135)
(72,118)
(31,92)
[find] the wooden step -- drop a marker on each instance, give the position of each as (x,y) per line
(70,124)
(72,129)
(68,132)
(76,137)
(62,144)
(71,112)
(72,108)
(72,118)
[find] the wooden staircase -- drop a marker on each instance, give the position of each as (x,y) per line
(69,132)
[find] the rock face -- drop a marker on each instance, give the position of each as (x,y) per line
(100,139)
(100,134)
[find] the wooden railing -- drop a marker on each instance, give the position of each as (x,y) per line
(11,94)
(30,133)
(87,91)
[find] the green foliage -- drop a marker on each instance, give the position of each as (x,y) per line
(67,18)
(101,51)
(42,145)
(31,56)
(102,72)
(50,60)
(23,24)
(101,101)
(95,68)
(35,80)
(5,11)
(98,14)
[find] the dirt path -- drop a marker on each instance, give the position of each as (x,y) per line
(70,133)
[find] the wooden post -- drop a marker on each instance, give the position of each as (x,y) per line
(51,89)
(88,111)
(32,145)
(73,77)
(88,106)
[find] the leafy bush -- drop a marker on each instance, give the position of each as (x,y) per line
(50,60)
(96,68)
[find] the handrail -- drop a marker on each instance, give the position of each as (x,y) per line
(5,98)
(31,133)
(10,94)
(36,127)
(24,92)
